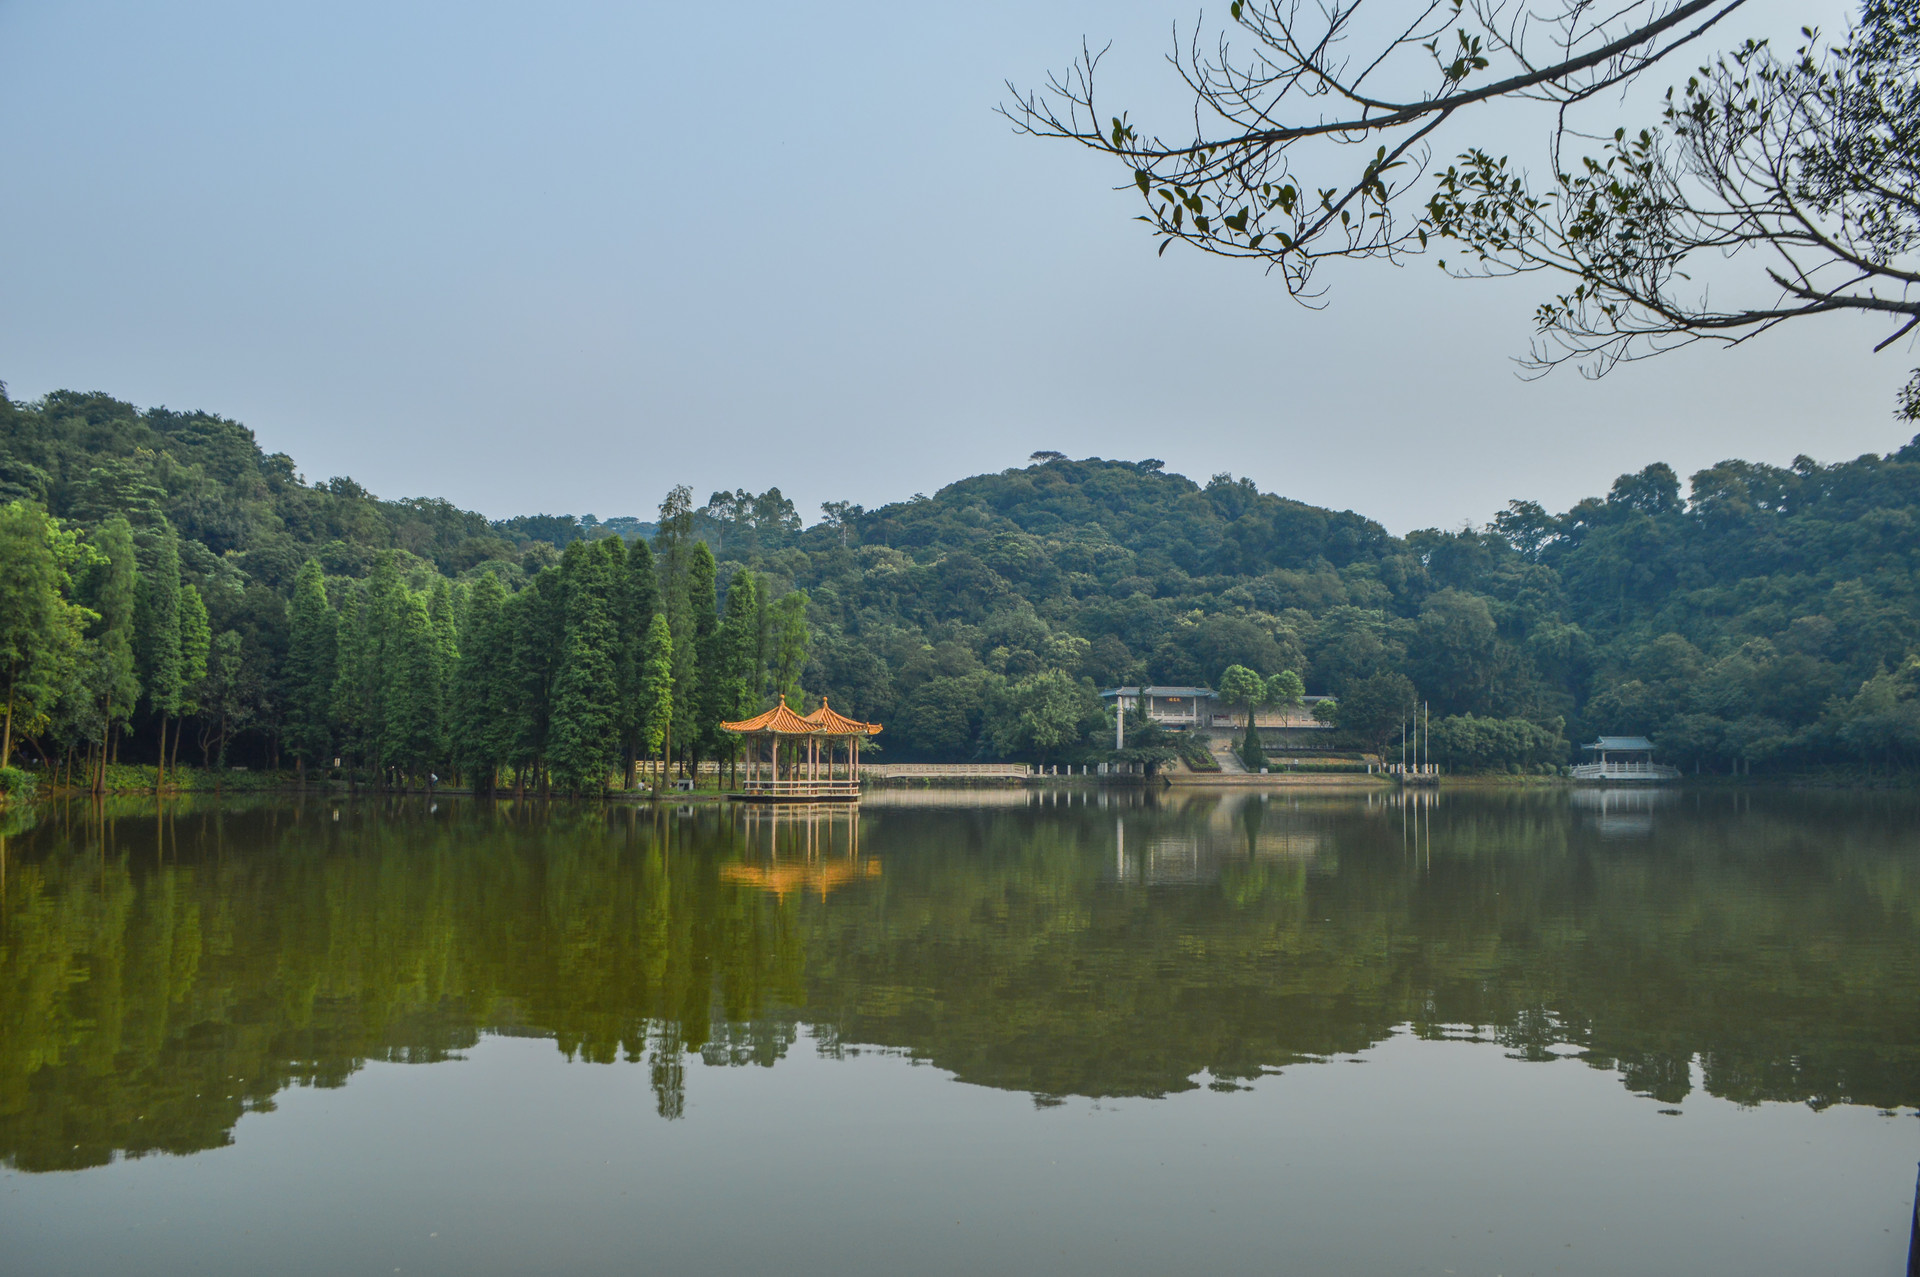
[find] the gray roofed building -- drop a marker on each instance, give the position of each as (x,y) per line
(1621,744)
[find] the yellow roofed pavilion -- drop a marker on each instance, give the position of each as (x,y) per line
(802,758)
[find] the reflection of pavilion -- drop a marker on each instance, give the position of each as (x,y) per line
(800,847)
(1622,813)
(811,757)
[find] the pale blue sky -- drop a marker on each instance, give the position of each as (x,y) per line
(559,257)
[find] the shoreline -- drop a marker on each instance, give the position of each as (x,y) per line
(284,785)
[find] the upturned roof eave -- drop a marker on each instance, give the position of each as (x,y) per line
(781,721)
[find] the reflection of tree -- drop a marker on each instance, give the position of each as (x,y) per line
(158,978)
(153,988)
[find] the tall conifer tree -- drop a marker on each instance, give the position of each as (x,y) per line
(673,543)
(789,644)
(739,648)
(196,641)
(480,727)
(641,599)
(586,698)
(311,666)
(537,616)
(709,690)
(112,590)
(157,634)
(443,607)
(410,739)
(655,701)
(351,693)
(369,664)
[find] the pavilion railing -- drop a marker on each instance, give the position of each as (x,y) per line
(1625,771)
(801,787)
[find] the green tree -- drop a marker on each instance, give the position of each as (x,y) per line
(196,641)
(673,544)
(699,728)
(111,592)
(586,699)
(443,607)
(1881,721)
(654,704)
(311,667)
(354,658)
(790,642)
(738,649)
(639,603)
(370,665)
(157,634)
(40,631)
(1044,714)
(1286,689)
(230,699)
(480,726)
(1455,653)
(944,717)
(1241,686)
(1373,710)
(1253,752)
(536,618)
(410,739)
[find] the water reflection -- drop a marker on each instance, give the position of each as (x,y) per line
(163,972)
(1621,811)
(787,847)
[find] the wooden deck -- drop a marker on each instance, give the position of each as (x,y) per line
(798,791)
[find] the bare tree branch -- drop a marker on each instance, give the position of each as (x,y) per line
(1232,188)
(1811,162)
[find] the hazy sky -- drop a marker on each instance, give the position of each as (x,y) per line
(559,257)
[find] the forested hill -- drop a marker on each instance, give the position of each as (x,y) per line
(1765,617)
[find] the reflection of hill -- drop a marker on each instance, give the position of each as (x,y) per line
(160,977)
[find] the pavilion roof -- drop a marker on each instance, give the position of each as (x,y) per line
(836,724)
(779,720)
(1621,743)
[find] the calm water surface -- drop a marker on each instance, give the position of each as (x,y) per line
(1084,1031)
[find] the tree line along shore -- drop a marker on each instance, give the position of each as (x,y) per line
(173,594)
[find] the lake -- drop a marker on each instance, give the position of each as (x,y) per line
(1078,1030)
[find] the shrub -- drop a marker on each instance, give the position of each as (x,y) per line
(1466,743)
(1196,755)
(16,784)
(1252,752)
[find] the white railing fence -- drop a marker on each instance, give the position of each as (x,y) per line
(1625,771)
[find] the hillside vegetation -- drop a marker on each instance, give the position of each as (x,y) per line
(1763,618)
